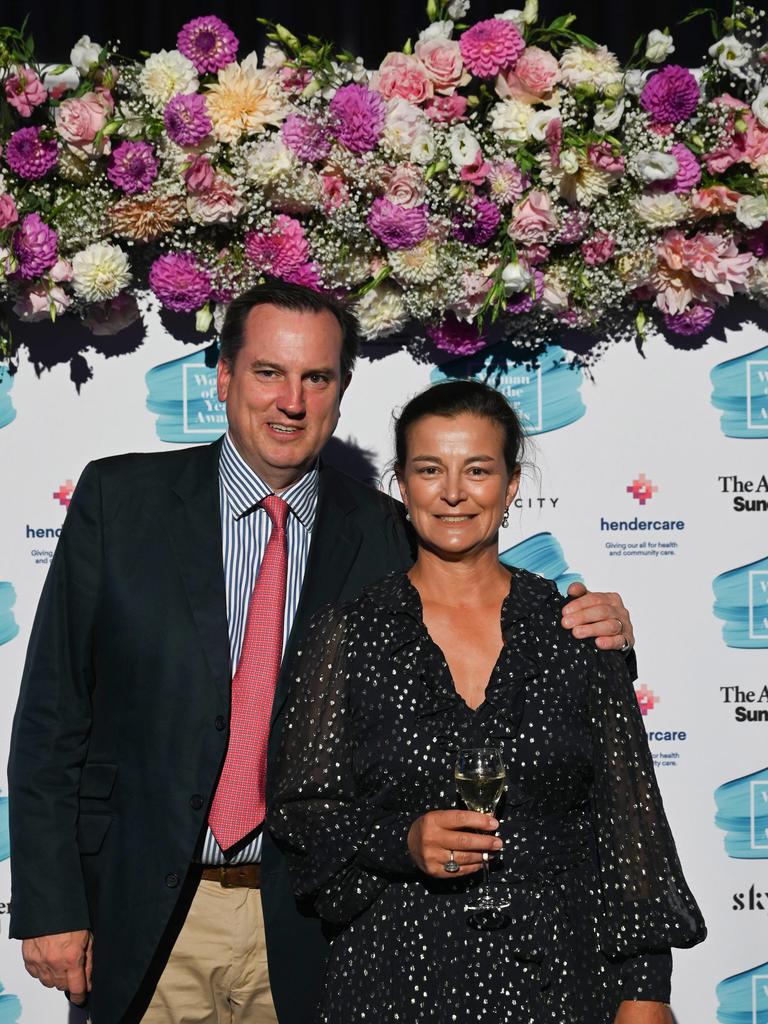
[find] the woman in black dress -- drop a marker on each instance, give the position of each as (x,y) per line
(461,653)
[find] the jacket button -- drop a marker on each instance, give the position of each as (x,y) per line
(172,880)
(196,802)
(220,723)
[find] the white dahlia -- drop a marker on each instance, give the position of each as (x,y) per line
(510,119)
(661,210)
(100,271)
(381,311)
(598,67)
(166,74)
(419,265)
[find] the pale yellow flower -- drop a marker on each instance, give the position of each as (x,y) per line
(244,101)
(419,265)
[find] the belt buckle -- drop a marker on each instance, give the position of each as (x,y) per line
(224,877)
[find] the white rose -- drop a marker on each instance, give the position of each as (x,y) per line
(458,8)
(658,46)
(530,11)
(510,120)
(651,165)
(752,211)
(538,122)
(463,145)
(760,106)
(731,54)
(569,162)
(634,82)
(84,54)
(437,30)
(608,117)
(516,17)
(423,148)
(516,277)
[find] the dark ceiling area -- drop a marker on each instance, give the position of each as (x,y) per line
(368,28)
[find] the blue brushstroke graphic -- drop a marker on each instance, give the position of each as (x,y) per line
(8,626)
(741,600)
(182,394)
(743,998)
(740,390)
(543,555)
(742,813)
(7,411)
(5,839)
(10,1007)
(545,398)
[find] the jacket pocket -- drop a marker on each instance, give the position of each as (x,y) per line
(91,830)
(97,780)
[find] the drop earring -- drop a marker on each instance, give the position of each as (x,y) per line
(505,518)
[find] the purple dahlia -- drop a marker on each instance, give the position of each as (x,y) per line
(670,95)
(133,167)
(208,42)
(178,280)
(29,155)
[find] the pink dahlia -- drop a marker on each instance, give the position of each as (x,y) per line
(29,155)
(477,222)
(670,95)
(24,91)
(306,139)
(507,182)
(35,245)
(396,226)
(598,249)
(133,167)
(208,42)
(178,280)
(456,336)
(358,117)
(8,212)
(688,169)
(706,269)
(490,46)
(692,321)
(307,274)
(281,250)
(186,119)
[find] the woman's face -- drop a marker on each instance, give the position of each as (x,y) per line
(455,482)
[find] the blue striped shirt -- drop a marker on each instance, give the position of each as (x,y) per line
(245,530)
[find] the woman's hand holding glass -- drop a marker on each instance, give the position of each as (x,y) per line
(440,836)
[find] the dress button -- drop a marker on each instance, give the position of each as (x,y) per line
(220,723)
(196,802)
(172,880)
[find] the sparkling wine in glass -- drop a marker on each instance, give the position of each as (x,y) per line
(480,779)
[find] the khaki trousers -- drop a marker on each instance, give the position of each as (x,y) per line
(217,970)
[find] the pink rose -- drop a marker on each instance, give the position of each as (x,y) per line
(24,91)
(442,62)
(61,271)
(533,219)
(220,204)
(534,77)
(8,212)
(601,155)
(78,121)
(335,191)
(405,186)
(403,75)
(199,176)
(41,303)
(446,108)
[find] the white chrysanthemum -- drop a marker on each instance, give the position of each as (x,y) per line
(267,161)
(100,272)
(758,282)
(166,74)
(380,311)
(584,187)
(661,211)
(598,67)
(510,119)
(419,265)
(752,211)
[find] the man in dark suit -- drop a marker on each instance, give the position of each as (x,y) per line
(138,854)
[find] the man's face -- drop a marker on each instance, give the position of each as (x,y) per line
(283,391)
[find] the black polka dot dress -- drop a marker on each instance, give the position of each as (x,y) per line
(596,893)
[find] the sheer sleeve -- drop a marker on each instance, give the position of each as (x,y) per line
(647,905)
(343,844)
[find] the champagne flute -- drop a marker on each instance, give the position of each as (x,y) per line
(480,776)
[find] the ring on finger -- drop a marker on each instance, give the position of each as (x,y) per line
(625,646)
(621,627)
(451,865)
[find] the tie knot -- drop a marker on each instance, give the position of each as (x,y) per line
(277,510)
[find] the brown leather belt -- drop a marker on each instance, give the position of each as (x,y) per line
(234,876)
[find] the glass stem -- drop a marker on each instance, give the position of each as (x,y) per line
(486,872)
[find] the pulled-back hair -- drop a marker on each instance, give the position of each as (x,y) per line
(299,299)
(454,398)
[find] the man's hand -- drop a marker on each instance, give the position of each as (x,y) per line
(602,616)
(62,961)
(437,835)
(642,1012)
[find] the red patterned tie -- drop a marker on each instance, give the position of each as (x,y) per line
(238,806)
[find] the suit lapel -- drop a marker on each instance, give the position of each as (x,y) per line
(195,531)
(336,539)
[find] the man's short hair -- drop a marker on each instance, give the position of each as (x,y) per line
(296,297)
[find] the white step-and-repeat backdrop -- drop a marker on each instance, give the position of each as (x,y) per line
(651,479)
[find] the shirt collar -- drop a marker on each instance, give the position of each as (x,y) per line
(245,488)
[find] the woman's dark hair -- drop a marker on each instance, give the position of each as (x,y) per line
(299,299)
(453,398)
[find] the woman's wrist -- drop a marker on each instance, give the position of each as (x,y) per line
(641,1011)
